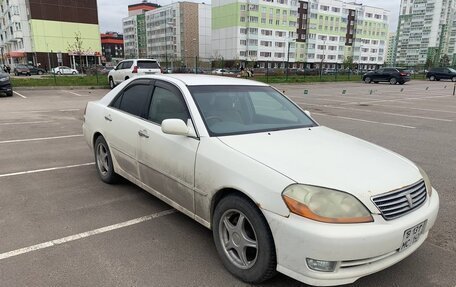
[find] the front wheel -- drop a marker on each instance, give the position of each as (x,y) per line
(112,85)
(243,240)
(40,73)
(74,73)
(393,81)
(9,94)
(103,161)
(432,78)
(367,80)
(59,73)
(453,79)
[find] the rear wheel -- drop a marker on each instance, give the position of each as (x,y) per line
(243,239)
(112,85)
(59,73)
(401,83)
(40,73)
(74,73)
(453,79)
(103,161)
(432,78)
(367,80)
(126,78)
(393,81)
(9,94)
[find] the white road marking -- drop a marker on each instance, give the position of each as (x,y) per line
(40,139)
(76,94)
(366,121)
(85,234)
(41,111)
(69,110)
(380,112)
(20,95)
(396,100)
(45,169)
(25,123)
(418,109)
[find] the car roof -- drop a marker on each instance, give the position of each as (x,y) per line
(208,80)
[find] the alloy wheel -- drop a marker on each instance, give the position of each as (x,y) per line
(102,159)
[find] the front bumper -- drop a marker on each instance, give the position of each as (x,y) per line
(359,249)
(5,87)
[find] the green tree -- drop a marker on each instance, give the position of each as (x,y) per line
(429,63)
(444,61)
(348,62)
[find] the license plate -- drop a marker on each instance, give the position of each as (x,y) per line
(150,73)
(412,235)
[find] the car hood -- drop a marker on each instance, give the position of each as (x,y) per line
(324,157)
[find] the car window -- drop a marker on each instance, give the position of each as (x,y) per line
(230,110)
(380,70)
(390,70)
(452,70)
(167,104)
(148,65)
(127,65)
(134,99)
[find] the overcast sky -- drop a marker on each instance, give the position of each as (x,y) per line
(111,12)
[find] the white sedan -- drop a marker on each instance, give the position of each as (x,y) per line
(63,70)
(280,192)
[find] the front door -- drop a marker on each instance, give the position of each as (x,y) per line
(167,162)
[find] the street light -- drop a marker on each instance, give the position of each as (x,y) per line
(288,56)
(323,58)
(166,36)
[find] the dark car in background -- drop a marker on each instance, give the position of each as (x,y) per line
(34,70)
(5,85)
(391,75)
(437,74)
(21,70)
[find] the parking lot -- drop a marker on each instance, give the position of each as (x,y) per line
(61,226)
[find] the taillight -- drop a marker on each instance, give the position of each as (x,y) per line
(135,69)
(403,74)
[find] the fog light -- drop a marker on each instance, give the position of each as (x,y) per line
(321,265)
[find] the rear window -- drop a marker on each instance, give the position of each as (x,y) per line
(148,65)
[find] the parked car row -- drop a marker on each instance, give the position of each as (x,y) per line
(28,70)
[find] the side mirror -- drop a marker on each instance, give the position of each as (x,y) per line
(174,127)
(307,113)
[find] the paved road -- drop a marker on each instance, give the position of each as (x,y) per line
(122,236)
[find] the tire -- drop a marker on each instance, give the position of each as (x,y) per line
(432,78)
(9,94)
(28,74)
(74,73)
(16,74)
(40,73)
(401,83)
(103,162)
(376,82)
(126,78)
(393,81)
(453,79)
(112,85)
(59,73)
(367,80)
(259,263)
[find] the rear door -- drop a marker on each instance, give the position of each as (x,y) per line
(148,67)
(125,71)
(123,121)
(167,162)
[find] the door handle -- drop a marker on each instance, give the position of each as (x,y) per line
(143,134)
(108,118)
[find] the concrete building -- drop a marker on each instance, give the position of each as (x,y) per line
(179,32)
(44,32)
(112,47)
(426,30)
(307,33)
(390,59)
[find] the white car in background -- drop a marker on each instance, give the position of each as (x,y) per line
(64,70)
(221,72)
(132,68)
(279,191)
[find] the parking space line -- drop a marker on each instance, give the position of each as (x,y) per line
(366,121)
(380,112)
(396,100)
(45,169)
(40,111)
(85,234)
(76,94)
(418,109)
(20,95)
(40,139)
(25,123)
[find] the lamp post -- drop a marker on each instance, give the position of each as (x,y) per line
(288,57)
(323,58)
(166,37)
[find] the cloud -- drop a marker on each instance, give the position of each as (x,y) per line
(111,12)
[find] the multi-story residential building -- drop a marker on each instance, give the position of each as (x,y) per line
(390,59)
(309,33)
(49,33)
(112,45)
(177,32)
(426,30)
(134,29)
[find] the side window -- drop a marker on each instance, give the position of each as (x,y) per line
(127,65)
(119,66)
(167,104)
(134,100)
(381,71)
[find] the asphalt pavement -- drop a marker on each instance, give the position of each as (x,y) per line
(61,226)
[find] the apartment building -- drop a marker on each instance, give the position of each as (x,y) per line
(177,32)
(306,33)
(43,32)
(390,59)
(112,45)
(426,30)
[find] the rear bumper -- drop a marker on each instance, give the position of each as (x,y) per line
(358,249)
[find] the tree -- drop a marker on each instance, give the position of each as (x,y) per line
(77,47)
(429,63)
(444,61)
(348,63)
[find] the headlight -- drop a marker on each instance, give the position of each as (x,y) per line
(427,182)
(4,79)
(325,205)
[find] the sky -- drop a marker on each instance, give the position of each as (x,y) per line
(111,12)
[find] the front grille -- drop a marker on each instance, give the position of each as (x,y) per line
(400,202)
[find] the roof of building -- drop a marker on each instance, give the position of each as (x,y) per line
(143,6)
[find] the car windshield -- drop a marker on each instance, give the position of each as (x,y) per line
(231,110)
(148,65)
(452,70)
